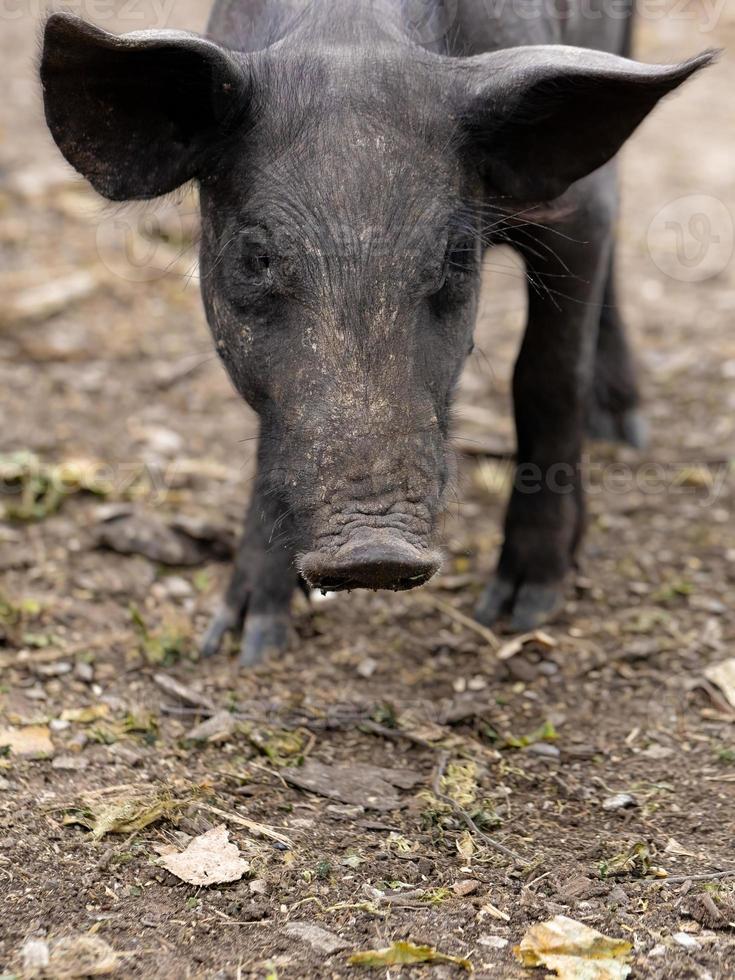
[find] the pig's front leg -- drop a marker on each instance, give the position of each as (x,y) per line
(567,271)
(258,598)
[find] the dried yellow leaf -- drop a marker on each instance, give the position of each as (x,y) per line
(574,950)
(404,954)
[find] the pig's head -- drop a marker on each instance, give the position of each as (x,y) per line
(345,196)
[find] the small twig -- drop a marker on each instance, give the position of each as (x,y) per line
(459,617)
(680,879)
(394,733)
(251,825)
(187,695)
(462,813)
(240,922)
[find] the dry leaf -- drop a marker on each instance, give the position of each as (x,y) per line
(31,742)
(574,950)
(85,716)
(211,859)
(402,953)
(514,646)
(129,810)
(723,675)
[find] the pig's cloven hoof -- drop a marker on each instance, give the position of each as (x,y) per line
(264,634)
(628,426)
(529,605)
(226,620)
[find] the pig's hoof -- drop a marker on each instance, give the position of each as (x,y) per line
(225,621)
(628,426)
(496,600)
(266,634)
(528,606)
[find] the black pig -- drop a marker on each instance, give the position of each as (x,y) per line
(354,158)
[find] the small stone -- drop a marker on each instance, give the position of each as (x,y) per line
(4,784)
(658,950)
(258,887)
(685,940)
(621,801)
(45,299)
(367,667)
(466,887)
(78,742)
(219,728)
(493,942)
(657,752)
(343,811)
(69,763)
(544,749)
(57,668)
(318,938)
(83,671)
(124,754)
(177,587)
(59,725)
(35,956)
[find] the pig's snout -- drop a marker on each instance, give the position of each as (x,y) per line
(374,559)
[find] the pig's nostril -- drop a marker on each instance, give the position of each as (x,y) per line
(373,562)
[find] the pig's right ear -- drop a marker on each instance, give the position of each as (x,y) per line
(141,114)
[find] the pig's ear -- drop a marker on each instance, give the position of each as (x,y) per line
(141,114)
(540,118)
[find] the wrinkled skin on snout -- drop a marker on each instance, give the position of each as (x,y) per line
(349,180)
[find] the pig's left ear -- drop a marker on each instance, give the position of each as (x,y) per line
(540,118)
(141,114)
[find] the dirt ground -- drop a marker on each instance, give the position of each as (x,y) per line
(600,755)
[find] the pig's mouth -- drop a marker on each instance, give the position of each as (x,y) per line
(374,559)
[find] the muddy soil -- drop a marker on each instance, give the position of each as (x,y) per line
(599,754)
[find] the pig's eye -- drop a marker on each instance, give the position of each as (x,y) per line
(459,261)
(250,261)
(258,264)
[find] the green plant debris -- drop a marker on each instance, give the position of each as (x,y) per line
(636,861)
(460,782)
(162,646)
(324,870)
(435,896)
(353,860)
(283,748)
(405,954)
(124,810)
(38,489)
(675,589)
(544,733)
(86,716)
(400,844)
(14,616)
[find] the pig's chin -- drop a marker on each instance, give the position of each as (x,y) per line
(371,558)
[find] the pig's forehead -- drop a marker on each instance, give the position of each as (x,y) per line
(396,99)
